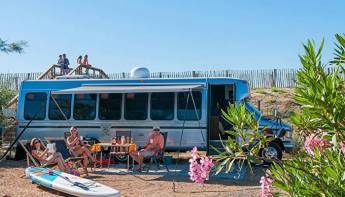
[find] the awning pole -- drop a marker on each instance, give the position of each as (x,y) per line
(197,116)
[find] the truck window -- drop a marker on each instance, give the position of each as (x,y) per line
(162,106)
(136,106)
(35,106)
(64,102)
(188,112)
(110,106)
(84,107)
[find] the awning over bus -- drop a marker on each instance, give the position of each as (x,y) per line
(89,89)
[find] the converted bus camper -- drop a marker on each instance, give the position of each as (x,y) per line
(100,108)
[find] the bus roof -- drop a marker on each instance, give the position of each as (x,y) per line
(74,83)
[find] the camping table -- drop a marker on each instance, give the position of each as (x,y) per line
(125,147)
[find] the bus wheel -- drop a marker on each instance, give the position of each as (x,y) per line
(272,151)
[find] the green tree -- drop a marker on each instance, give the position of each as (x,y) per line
(17,47)
(6,94)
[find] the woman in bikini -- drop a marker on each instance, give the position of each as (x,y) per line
(78,148)
(41,154)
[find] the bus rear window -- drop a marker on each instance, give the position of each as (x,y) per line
(110,106)
(162,106)
(35,106)
(136,106)
(84,107)
(186,111)
(64,103)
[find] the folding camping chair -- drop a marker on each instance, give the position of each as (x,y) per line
(159,158)
(27,148)
(67,134)
(61,147)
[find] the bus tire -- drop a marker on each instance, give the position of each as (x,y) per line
(272,151)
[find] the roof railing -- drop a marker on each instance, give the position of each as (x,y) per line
(52,72)
(90,71)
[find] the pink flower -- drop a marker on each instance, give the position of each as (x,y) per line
(313,142)
(199,167)
(194,150)
(342,147)
(266,185)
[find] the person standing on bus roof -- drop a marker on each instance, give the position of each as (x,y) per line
(61,64)
(65,63)
(152,147)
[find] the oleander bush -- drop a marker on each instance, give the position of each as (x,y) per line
(319,168)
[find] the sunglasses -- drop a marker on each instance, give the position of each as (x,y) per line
(156,129)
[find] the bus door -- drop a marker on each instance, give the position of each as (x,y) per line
(219,98)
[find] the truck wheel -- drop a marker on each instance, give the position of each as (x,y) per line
(272,151)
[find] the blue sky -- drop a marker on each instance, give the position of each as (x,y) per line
(176,35)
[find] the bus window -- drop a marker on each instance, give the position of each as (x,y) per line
(136,106)
(162,106)
(110,106)
(64,102)
(35,106)
(84,107)
(188,112)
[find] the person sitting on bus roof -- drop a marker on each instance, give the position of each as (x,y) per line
(85,61)
(79,60)
(39,152)
(152,147)
(78,148)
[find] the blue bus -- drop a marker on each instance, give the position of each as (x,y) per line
(100,108)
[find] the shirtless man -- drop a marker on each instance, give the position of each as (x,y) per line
(152,147)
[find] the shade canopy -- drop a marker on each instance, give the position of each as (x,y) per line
(90,89)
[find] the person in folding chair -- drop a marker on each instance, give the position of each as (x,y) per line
(41,154)
(153,146)
(78,148)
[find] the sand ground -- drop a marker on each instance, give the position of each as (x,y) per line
(129,184)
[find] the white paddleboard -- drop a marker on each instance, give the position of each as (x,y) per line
(68,183)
